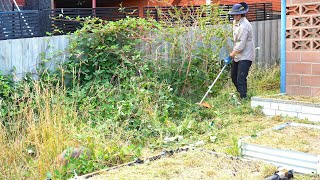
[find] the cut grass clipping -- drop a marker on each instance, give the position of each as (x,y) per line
(301,139)
(194,165)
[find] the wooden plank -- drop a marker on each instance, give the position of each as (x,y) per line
(28,53)
(274,41)
(261,43)
(17,59)
(267,49)
(64,47)
(255,37)
(31,52)
(279,37)
(5,55)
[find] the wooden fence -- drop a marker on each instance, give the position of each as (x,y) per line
(16,24)
(267,40)
(64,19)
(36,23)
(257,12)
(25,55)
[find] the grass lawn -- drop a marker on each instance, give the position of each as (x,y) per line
(233,121)
(193,164)
(301,139)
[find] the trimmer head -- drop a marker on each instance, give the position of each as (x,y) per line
(205,104)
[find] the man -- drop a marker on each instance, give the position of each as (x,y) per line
(243,48)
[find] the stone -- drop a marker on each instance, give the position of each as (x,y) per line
(72,153)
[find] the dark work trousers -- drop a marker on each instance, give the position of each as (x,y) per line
(239,73)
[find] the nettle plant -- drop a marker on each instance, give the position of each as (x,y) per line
(105,51)
(182,49)
(187,49)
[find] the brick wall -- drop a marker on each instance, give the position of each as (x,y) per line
(20,2)
(303,47)
(190,2)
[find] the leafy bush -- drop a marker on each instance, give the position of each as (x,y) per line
(6,85)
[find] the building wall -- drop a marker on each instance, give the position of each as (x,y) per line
(20,2)
(275,3)
(303,47)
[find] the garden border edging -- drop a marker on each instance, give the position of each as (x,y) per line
(301,110)
(301,162)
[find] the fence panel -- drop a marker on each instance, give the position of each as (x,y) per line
(25,54)
(267,41)
(16,24)
(257,11)
(64,19)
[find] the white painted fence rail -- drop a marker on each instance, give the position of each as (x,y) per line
(25,55)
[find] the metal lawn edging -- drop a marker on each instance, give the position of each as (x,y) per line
(300,162)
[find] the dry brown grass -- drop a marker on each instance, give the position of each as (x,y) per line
(301,139)
(244,125)
(303,99)
(43,133)
(193,165)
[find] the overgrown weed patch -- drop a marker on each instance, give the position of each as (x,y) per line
(117,101)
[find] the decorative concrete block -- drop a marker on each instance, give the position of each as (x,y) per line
(310,117)
(287,113)
(274,106)
(310,110)
(290,107)
(269,112)
(260,103)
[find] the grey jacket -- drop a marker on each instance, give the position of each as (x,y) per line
(243,40)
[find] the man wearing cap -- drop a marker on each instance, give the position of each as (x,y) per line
(243,48)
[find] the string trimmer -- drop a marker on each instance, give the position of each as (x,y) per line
(226,61)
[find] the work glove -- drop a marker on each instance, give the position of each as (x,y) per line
(227,60)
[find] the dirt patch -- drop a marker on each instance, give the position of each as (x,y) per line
(193,165)
(301,139)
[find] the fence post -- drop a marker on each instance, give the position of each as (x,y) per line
(94,12)
(264,11)
(46,20)
(229,16)
(257,17)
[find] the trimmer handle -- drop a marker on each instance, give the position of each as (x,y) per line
(227,60)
